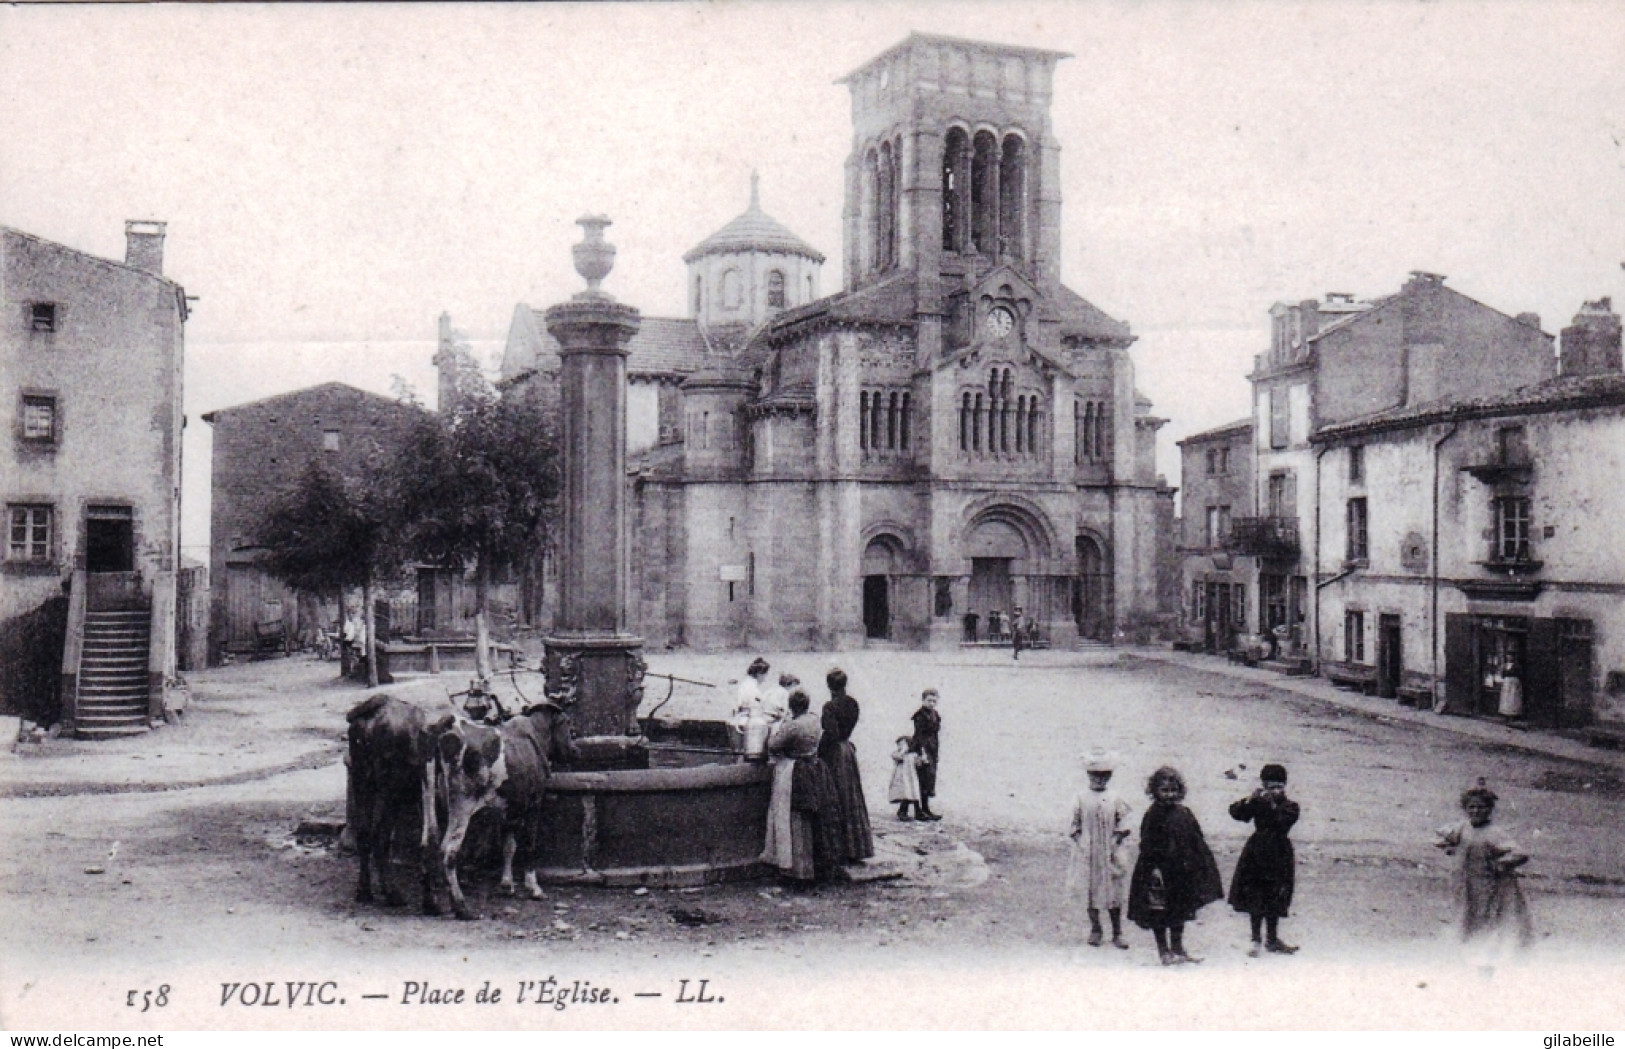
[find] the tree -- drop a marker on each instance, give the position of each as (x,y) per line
(328,534)
(479,486)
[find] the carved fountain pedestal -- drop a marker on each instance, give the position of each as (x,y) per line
(631,812)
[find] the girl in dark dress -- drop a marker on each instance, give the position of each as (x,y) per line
(1175,875)
(1262,886)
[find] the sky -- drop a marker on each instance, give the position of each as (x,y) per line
(336,176)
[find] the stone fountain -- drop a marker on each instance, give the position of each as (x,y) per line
(634,812)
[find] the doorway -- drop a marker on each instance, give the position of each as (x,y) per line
(1090,597)
(991,591)
(109,539)
(877,607)
(1390,657)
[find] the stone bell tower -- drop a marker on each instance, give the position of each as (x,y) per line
(954,167)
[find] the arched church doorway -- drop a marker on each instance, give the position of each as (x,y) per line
(995,545)
(1092,592)
(881,560)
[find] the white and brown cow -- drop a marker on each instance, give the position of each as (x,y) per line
(387,788)
(474,767)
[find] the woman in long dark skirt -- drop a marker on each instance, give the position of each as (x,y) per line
(1176,875)
(1264,878)
(838,718)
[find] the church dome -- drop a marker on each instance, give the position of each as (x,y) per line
(753,231)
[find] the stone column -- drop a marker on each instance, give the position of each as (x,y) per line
(594,667)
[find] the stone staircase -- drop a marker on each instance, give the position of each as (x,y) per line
(113,687)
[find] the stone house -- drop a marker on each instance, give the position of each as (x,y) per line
(1340,359)
(91,350)
(1219,587)
(1469,540)
(261,449)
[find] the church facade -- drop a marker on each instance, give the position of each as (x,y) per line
(952,435)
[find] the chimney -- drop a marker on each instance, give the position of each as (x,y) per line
(144,245)
(1591,344)
(1529,320)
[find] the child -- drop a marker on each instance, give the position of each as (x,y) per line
(905,781)
(928,744)
(1098,831)
(1494,917)
(1175,875)
(1262,886)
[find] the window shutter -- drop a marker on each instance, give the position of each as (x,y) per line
(1542,696)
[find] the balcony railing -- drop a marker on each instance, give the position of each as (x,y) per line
(1273,537)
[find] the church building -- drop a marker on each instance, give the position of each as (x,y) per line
(950,436)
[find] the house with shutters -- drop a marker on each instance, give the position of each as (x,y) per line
(1335,360)
(1470,541)
(91,352)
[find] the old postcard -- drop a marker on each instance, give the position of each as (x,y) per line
(797,516)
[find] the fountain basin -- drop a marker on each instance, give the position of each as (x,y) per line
(697,816)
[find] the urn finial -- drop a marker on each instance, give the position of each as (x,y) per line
(594,256)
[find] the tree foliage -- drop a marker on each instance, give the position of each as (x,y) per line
(329,533)
(479,487)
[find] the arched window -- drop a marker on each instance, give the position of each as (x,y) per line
(733,290)
(1089,431)
(809,288)
(1021,423)
(699,295)
(869,212)
(1013,197)
(955,189)
(902,424)
(885,210)
(775,290)
(1032,426)
(984,192)
(964,423)
(877,419)
(893,423)
(976,426)
(1005,413)
(863,420)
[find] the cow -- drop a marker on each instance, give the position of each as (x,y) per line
(474,767)
(388,780)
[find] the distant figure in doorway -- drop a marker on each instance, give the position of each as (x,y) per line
(970,621)
(1494,917)
(905,779)
(1018,633)
(840,717)
(802,818)
(1098,867)
(1263,882)
(928,740)
(1511,700)
(1175,875)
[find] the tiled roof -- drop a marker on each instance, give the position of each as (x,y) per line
(1227,430)
(892,301)
(754,230)
(326,387)
(1081,318)
(662,346)
(1564,392)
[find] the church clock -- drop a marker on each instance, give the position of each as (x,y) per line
(1000,322)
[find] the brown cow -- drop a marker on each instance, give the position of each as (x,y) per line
(388,780)
(475,767)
